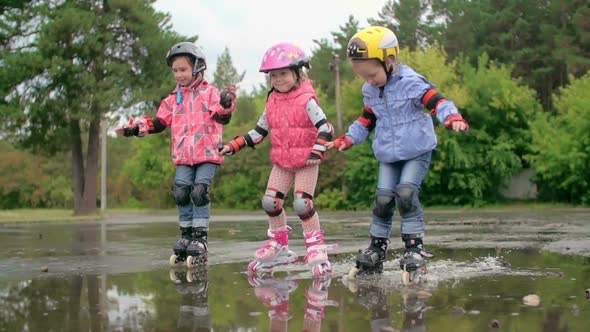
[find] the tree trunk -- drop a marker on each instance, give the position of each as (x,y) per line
(77,165)
(91,171)
(84,178)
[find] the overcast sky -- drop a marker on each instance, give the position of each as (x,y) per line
(249,27)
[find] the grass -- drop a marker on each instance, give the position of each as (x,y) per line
(42,215)
(63,215)
(506,206)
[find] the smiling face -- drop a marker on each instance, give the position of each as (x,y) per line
(182,68)
(283,80)
(371,71)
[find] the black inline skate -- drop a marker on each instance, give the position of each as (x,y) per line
(197,250)
(181,245)
(413,263)
(371,260)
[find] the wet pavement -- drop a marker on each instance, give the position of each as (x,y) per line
(114,276)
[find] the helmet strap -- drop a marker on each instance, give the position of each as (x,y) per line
(388,73)
(198,68)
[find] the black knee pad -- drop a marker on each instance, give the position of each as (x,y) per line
(407,199)
(200,194)
(181,194)
(384,204)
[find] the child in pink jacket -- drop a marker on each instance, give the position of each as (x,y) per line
(195,115)
(298,130)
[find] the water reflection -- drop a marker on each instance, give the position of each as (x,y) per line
(193,286)
(274,294)
(90,288)
(377,301)
(223,298)
(414,304)
(77,319)
(374,299)
(316,297)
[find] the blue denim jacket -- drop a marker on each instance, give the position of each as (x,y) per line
(403,130)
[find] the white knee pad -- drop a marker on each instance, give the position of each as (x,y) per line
(272,202)
(303,205)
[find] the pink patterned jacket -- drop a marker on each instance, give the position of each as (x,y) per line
(292,133)
(195,134)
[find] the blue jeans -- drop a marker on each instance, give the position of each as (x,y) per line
(190,175)
(406,172)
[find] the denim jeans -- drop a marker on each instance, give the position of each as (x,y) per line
(190,175)
(391,175)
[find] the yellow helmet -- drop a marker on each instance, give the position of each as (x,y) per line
(374,42)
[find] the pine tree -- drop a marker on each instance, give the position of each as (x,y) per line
(69,66)
(225,73)
(406,19)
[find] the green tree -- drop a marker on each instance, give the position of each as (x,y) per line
(405,19)
(561,145)
(544,40)
(247,109)
(459,26)
(469,168)
(225,73)
(329,54)
(341,38)
(35,181)
(82,60)
(321,60)
(242,179)
(149,173)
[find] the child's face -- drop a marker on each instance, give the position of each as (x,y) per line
(371,71)
(282,80)
(182,70)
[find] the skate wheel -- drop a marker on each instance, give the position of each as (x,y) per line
(190,262)
(189,276)
(173,260)
(174,277)
(410,277)
(406,278)
(352,285)
(353,273)
(252,267)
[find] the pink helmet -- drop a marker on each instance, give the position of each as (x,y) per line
(283,55)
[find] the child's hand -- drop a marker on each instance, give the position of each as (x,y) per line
(227,97)
(313,162)
(232,146)
(456,122)
(341,143)
(127,130)
(225,150)
(315,157)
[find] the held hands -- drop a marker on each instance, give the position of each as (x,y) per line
(456,122)
(341,143)
(225,150)
(232,146)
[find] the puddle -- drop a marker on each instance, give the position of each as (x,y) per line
(465,290)
(115,277)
